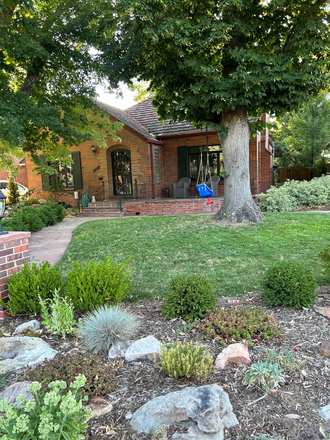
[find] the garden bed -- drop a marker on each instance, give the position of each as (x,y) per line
(289,412)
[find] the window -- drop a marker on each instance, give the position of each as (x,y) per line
(68,175)
(215,161)
(157,172)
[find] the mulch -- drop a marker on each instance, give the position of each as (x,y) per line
(290,412)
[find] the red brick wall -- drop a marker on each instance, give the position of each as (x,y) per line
(21,176)
(14,250)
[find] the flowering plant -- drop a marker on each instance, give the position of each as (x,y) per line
(50,416)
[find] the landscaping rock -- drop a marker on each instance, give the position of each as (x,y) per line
(324,412)
(15,390)
(206,411)
(99,406)
(237,353)
(21,352)
(27,327)
(323,311)
(325,348)
(119,350)
(143,350)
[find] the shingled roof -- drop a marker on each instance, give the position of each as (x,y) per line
(146,115)
(126,118)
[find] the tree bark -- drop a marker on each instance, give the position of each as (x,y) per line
(238,205)
(30,80)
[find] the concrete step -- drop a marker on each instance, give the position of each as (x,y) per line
(101,209)
(110,214)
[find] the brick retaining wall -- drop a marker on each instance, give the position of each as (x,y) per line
(168,207)
(14,250)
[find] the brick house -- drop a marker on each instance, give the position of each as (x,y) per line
(148,160)
(21,176)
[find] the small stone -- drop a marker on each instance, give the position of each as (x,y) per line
(143,350)
(325,348)
(17,389)
(99,406)
(323,311)
(237,353)
(324,412)
(274,319)
(27,327)
(119,350)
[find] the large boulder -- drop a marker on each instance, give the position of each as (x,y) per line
(22,352)
(143,350)
(206,412)
(15,390)
(30,326)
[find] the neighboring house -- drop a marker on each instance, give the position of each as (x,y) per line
(149,159)
(21,176)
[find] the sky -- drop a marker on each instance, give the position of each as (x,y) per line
(111,99)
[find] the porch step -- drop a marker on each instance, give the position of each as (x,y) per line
(101,210)
(110,214)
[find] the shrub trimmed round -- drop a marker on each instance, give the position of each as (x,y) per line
(289,284)
(189,297)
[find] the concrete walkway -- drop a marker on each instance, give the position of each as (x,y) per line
(50,243)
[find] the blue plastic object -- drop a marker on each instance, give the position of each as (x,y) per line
(204,190)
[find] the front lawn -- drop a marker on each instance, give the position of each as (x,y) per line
(233,258)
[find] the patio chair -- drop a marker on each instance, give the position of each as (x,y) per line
(215,184)
(181,189)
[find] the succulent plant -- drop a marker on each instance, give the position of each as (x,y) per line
(107,326)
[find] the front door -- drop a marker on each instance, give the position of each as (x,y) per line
(121,172)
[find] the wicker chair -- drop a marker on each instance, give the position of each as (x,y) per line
(181,189)
(215,184)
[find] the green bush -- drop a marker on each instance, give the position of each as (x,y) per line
(58,315)
(59,210)
(97,283)
(293,194)
(99,375)
(105,327)
(13,196)
(289,284)
(239,324)
(50,416)
(183,359)
(264,375)
(48,214)
(325,257)
(189,297)
(33,281)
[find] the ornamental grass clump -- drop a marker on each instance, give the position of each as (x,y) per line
(54,415)
(289,284)
(251,325)
(264,375)
(105,327)
(97,283)
(189,297)
(183,359)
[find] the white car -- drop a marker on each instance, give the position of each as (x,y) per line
(4,188)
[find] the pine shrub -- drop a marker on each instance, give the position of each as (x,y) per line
(13,196)
(183,359)
(97,283)
(99,375)
(289,284)
(26,219)
(33,281)
(189,297)
(105,327)
(251,325)
(325,257)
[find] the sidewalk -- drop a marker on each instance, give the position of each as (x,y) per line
(50,243)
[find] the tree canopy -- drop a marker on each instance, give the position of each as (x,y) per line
(303,136)
(49,71)
(213,62)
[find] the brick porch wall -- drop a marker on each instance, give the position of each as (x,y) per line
(14,250)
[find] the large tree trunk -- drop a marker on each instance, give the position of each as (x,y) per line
(238,205)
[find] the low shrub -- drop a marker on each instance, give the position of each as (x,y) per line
(183,359)
(189,297)
(97,283)
(50,416)
(251,325)
(325,257)
(285,359)
(47,214)
(265,375)
(99,375)
(293,194)
(33,281)
(105,327)
(58,315)
(289,284)
(58,209)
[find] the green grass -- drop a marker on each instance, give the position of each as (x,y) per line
(233,257)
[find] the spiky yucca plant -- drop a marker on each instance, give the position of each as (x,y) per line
(107,326)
